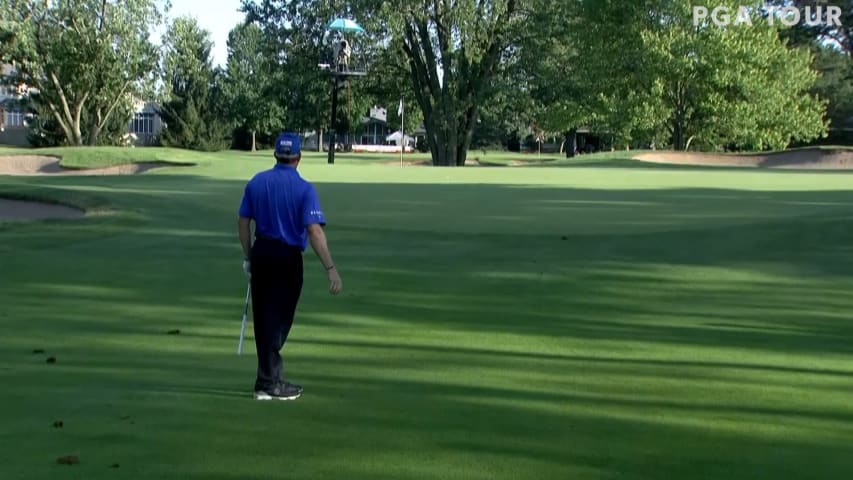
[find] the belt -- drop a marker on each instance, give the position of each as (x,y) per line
(276,240)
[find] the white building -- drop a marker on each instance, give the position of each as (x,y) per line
(146,124)
(13,129)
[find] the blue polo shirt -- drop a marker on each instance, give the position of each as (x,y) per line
(283,204)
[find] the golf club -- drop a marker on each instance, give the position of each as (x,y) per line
(245,314)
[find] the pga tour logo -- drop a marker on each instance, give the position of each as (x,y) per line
(722,16)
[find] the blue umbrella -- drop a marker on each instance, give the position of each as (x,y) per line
(345,25)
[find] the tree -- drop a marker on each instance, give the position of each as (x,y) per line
(250,83)
(648,72)
(88,59)
(453,49)
(832,47)
(194,114)
(835,84)
(547,76)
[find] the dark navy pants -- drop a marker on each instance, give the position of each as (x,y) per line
(276,287)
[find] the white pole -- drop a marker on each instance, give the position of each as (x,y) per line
(402,130)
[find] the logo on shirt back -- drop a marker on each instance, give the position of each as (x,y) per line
(317,213)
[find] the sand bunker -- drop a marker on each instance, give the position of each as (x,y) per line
(26,210)
(41,165)
(809,158)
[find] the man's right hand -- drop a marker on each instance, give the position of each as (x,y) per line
(335,284)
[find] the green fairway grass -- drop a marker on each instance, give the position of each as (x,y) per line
(496,323)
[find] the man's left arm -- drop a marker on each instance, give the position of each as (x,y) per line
(244,230)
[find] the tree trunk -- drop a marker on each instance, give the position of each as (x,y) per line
(68,120)
(253,140)
(432,141)
(441,153)
(678,134)
(449,140)
(571,143)
(102,117)
(76,131)
(63,124)
(446,149)
(320,139)
(94,135)
(70,124)
(94,129)
(453,157)
(679,121)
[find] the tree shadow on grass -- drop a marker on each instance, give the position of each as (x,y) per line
(498,332)
(521,261)
(385,420)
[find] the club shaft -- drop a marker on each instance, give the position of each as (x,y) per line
(243,323)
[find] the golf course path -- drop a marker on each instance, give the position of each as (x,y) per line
(808,158)
(42,165)
(26,210)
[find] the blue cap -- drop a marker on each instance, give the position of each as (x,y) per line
(288,146)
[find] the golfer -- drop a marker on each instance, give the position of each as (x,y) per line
(287,216)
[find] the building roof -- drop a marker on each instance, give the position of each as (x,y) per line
(369,121)
(395,137)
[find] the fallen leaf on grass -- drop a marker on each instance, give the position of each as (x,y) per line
(37,351)
(58,424)
(115,465)
(68,460)
(51,360)
(174,332)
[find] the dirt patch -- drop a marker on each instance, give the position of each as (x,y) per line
(470,162)
(408,163)
(809,158)
(27,210)
(530,163)
(29,165)
(473,162)
(476,162)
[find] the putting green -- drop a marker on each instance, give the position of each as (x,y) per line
(592,322)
